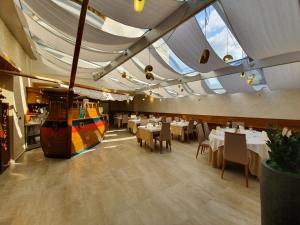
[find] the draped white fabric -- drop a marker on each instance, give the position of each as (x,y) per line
(103,96)
(234,83)
(54,41)
(67,23)
(159,66)
(122,11)
(265,28)
(188,42)
(283,76)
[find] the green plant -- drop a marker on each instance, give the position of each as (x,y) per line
(285,150)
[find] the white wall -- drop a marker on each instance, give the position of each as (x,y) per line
(275,104)
(14,89)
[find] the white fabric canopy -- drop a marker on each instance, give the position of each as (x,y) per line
(54,41)
(188,42)
(122,11)
(283,76)
(67,23)
(103,96)
(265,28)
(234,83)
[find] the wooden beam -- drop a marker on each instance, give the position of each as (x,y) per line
(80,29)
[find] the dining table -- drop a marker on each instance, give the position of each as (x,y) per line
(147,133)
(177,128)
(118,121)
(256,145)
(133,125)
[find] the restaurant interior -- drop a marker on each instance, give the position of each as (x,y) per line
(146,112)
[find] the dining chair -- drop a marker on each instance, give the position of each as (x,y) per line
(176,118)
(236,124)
(168,119)
(189,130)
(206,129)
(235,150)
(203,142)
(164,135)
(124,119)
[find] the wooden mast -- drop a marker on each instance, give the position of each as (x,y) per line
(81,23)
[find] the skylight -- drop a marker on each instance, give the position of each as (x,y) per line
(219,35)
(214,85)
(103,23)
(69,59)
(172,60)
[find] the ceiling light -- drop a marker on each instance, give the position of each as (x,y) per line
(123,75)
(148,68)
(251,80)
(139,5)
(227,58)
(243,74)
(149,76)
(204,56)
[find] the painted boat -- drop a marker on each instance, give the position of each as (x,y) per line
(87,132)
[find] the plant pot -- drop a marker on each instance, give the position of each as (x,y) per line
(280,197)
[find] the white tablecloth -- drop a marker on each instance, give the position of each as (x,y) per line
(254,140)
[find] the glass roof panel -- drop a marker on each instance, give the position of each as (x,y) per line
(103,23)
(172,60)
(214,85)
(219,35)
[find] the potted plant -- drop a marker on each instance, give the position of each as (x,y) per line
(280,179)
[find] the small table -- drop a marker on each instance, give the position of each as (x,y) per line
(133,125)
(118,121)
(258,150)
(147,134)
(177,128)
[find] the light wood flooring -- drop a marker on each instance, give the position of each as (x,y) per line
(120,183)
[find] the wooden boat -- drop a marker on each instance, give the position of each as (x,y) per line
(88,128)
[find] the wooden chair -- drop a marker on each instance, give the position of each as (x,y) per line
(206,129)
(235,150)
(164,135)
(189,130)
(124,120)
(203,142)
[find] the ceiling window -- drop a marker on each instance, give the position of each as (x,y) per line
(172,60)
(219,35)
(102,22)
(214,85)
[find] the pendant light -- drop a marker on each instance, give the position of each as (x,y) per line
(227,57)
(139,5)
(243,74)
(205,53)
(148,70)
(124,75)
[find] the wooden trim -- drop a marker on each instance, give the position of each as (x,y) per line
(257,123)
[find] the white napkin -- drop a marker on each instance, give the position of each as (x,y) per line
(264,136)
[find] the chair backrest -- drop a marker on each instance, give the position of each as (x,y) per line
(236,124)
(200,133)
(125,118)
(151,116)
(168,119)
(235,148)
(165,132)
(190,128)
(176,118)
(206,129)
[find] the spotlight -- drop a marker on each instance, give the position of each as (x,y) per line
(243,74)
(123,75)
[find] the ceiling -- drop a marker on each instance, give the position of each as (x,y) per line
(259,34)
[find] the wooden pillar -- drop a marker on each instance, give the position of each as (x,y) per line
(81,23)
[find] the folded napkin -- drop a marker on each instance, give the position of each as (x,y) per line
(218,128)
(213,131)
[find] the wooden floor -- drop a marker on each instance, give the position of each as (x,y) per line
(121,183)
